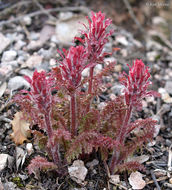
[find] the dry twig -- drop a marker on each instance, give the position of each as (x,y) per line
(127,4)
(155,181)
(36,13)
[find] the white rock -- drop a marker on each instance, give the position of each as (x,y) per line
(151,56)
(9,56)
(4,159)
(68,29)
(4,42)
(97,68)
(114,179)
(29,148)
(168,87)
(65,15)
(101,105)
(85,72)
(136,180)
(78,171)
(121,40)
(19,44)
(34,60)
(164,95)
(27,20)
(17,82)
(11,63)
(159,20)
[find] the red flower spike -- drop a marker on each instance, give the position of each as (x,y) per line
(136,83)
(74,62)
(96,36)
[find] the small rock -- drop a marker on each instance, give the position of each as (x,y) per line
(9,56)
(121,40)
(26,72)
(117,89)
(151,56)
(4,42)
(27,20)
(168,87)
(17,82)
(13,64)
(92,163)
(152,143)
(19,44)
(10,186)
(78,171)
(4,160)
(157,20)
(85,72)
(34,61)
(101,105)
(65,15)
(98,68)
(34,44)
(136,180)
(68,29)
(114,179)
(29,148)
(108,60)
(164,95)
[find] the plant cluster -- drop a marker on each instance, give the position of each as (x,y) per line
(69,124)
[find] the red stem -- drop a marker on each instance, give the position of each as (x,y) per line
(121,137)
(73,110)
(54,147)
(90,85)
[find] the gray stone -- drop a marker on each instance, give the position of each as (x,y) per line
(68,29)
(78,171)
(9,56)
(4,160)
(117,89)
(4,42)
(17,82)
(168,87)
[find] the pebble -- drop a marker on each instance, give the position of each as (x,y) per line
(121,40)
(19,44)
(65,15)
(68,29)
(4,160)
(4,42)
(27,20)
(13,64)
(34,61)
(152,55)
(117,89)
(9,55)
(168,87)
(78,171)
(17,83)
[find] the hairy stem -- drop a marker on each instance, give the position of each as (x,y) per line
(54,147)
(73,112)
(121,138)
(90,85)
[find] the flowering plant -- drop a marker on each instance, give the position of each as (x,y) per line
(68,123)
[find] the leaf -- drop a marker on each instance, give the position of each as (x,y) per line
(40,163)
(20,128)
